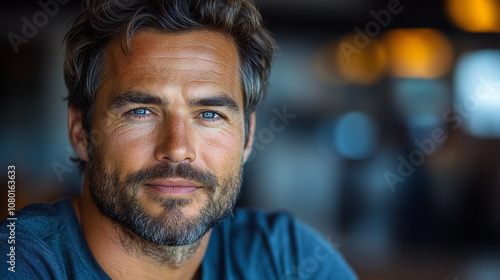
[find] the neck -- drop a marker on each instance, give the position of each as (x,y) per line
(124,255)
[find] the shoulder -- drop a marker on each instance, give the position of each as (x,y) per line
(46,241)
(28,252)
(261,221)
(40,219)
(283,245)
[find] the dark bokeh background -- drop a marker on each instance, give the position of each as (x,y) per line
(390,149)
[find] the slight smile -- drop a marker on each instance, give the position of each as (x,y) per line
(174,186)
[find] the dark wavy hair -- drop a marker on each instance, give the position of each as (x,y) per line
(102,21)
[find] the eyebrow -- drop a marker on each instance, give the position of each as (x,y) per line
(215,101)
(136,98)
(144,98)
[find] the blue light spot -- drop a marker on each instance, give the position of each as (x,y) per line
(356,135)
(477,98)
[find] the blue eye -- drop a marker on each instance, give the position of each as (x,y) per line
(208,115)
(140,111)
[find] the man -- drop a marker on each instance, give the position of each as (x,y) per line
(161,103)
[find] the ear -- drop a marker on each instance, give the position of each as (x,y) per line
(251,131)
(77,135)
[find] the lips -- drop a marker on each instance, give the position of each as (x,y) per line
(174,186)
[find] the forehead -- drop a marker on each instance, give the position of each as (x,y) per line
(157,58)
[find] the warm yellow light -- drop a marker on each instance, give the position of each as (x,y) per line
(475,15)
(418,53)
(365,65)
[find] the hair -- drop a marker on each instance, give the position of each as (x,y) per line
(102,21)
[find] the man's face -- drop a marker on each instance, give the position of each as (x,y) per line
(170,111)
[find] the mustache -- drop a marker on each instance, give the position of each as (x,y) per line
(168,170)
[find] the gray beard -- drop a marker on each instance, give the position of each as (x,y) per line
(168,237)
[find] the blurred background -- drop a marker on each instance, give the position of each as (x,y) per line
(381,128)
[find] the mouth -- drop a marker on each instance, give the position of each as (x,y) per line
(174,186)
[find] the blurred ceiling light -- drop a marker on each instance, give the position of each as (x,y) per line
(359,65)
(418,53)
(366,65)
(475,15)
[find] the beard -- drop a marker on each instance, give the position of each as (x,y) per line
(119,200)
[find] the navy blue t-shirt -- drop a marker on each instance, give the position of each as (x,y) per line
(49,244)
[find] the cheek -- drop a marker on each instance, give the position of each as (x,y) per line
(127,148)
(221,152)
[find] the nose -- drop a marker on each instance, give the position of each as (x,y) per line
(175,141)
